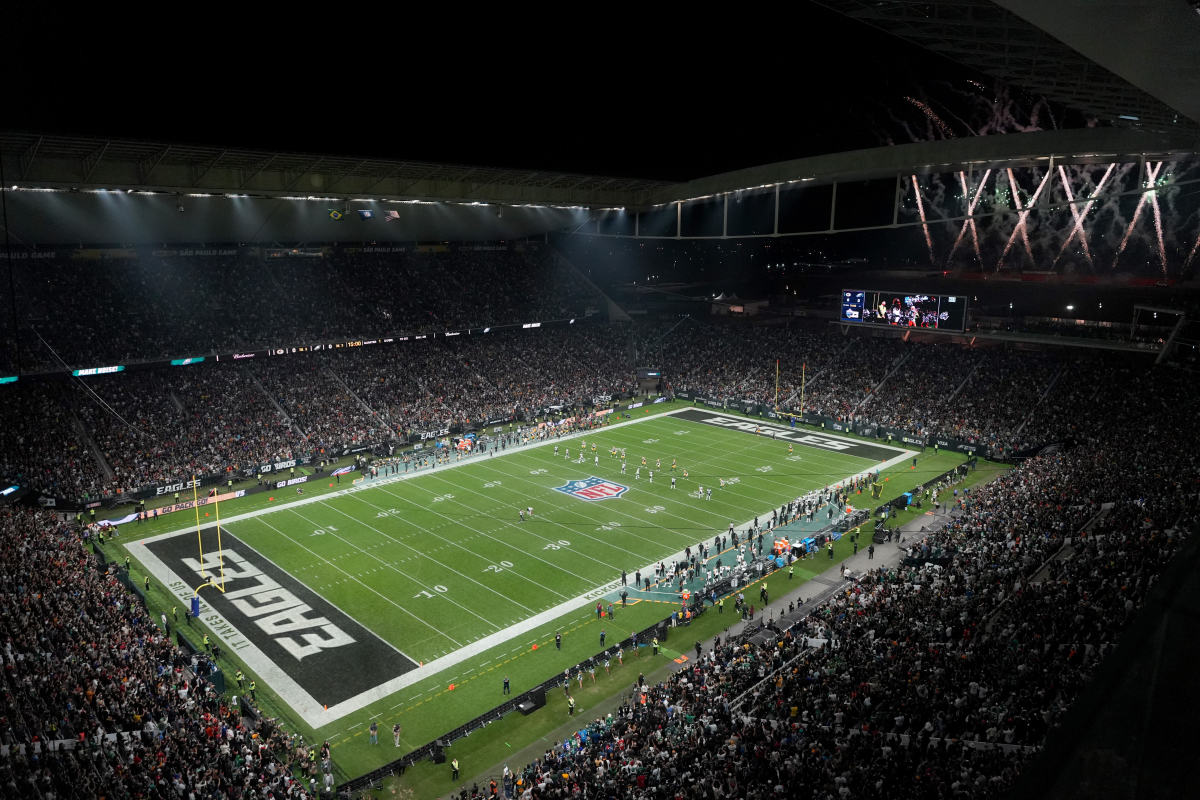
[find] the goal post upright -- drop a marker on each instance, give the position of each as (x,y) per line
(803,372)
(220,547)
(199,536)
(777,385)
(200,541)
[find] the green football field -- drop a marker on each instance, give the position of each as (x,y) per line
(443,559)
(445,589)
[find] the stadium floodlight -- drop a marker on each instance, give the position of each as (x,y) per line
(1070,308)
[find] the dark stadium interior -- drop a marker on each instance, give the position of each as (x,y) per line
(328,284)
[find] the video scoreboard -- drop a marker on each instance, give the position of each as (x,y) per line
(906,310)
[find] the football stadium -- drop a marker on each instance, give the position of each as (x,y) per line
(853,462)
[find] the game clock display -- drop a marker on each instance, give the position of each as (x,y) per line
(853,303)
(904,309)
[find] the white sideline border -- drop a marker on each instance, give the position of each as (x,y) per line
(308,708)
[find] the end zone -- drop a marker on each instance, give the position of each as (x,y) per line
(820,441)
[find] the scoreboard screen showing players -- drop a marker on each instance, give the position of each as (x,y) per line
(906,310)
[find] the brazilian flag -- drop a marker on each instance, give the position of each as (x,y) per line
(335,214)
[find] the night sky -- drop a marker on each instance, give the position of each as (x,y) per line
(574,93)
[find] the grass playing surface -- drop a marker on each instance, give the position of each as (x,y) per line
(439,561)
(440,566)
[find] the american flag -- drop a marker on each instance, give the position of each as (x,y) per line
(392,216)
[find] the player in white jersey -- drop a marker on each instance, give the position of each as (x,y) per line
(596,460)
(652,476)
(672,481)
(637,475)
(708,493)
(622,467)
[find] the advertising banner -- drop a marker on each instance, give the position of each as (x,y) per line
(203,501)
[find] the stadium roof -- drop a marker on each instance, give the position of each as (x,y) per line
(88,162)
(1082,146)
(1121,62)
(65,162)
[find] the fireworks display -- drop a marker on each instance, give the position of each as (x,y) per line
(1140,217)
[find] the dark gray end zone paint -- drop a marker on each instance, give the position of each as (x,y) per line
(807,438)
(327,653)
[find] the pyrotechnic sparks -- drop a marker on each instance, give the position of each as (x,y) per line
(1080,216)
(969,221)
(1158,230)
(1192,254)
(1022,215)
(1152,173)
(933,117)
(921,211)
(1095,214)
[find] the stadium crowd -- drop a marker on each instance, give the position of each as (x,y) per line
(939,677)
(239,299)
(165,426)
(97,700)
(114,434)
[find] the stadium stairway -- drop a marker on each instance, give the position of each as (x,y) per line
(1041,398)
(875,389)
(615,312)
(82,432)
(958,389)
(813,379)
(275,403)
(384,421)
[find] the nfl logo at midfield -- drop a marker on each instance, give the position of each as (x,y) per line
(592,488)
